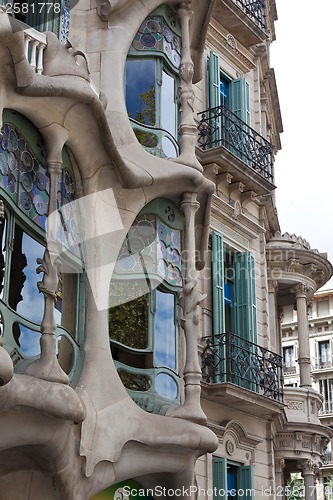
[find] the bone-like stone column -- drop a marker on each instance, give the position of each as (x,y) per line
(187,129)
(47,366)
(190,300)
(272,319)
(301,291)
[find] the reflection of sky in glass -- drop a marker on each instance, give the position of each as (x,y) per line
(166,386)
(168,107)
(165,332)
(29,341)
(140,78)
(32,305)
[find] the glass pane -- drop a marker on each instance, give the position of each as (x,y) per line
(3,225)
(135,381)
(66,302)
(128,323)
(24,296)
(26,339)
(140,90)
(168,106)
(168,148)
(166,386)
(165,331)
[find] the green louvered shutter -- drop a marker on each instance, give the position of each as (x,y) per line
(220,478)
(246,321)
(214,96)
(246,481)
(238,138)
(218,301)
(240,99)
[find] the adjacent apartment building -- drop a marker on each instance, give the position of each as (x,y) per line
(143,270)
(320,314)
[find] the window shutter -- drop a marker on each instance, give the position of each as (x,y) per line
(220,478)
(218,302)
(218,283)
(246,481)
(246,311)
(240,99)
(214,80)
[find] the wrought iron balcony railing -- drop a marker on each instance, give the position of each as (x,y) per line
(255,10)
(328,458)
(323,364)
(230,358)
(220,127)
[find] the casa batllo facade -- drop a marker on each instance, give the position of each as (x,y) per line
(144,353)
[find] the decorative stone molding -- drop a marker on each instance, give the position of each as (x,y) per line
(227,45)
(295,405)
(279,464)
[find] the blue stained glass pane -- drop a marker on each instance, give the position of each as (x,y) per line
(166,386)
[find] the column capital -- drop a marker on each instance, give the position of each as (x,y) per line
(308,466)
(301,290)
(272,285)
(279,464)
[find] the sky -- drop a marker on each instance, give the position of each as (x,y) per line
(301,56)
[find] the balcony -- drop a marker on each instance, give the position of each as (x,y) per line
(321,364)
(328,458)
(327,408)
(219,128)
(230,361)
(246,20)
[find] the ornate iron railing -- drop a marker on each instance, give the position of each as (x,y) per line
(230,358)
(255,10)
(220,127)
(327,458)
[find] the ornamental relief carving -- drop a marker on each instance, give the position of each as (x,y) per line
(295,405)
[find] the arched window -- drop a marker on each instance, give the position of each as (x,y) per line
(152,69)
(24,191)
(143,318)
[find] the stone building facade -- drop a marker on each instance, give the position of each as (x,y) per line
(144,356)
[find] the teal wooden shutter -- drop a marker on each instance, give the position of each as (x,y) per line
(218,283)
(246,481)
(218,303)
(214,97)
(245,289)
(240,99)
(220,478)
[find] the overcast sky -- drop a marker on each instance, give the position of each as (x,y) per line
(301,56)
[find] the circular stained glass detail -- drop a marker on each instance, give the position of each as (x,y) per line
(148,262)
(41,181)
(176,43)
(176,58)
(163,248)
(135,381)
(25,201)
(153,26)
(11,183)
(175,257)
(148,40)
(12,140)
(3,165)
(12,163)
(27,160)
(40,205)
(126,262)
(162,232)
(135,245)
(167,34)
(175,238)
(26,182)
(166,386)
(145,228)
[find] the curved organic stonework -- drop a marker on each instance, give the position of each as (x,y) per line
(86,438)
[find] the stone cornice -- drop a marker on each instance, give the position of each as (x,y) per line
(233,215)
(227,46)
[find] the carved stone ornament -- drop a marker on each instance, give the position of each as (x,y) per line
(231,41)
(295,405)
(230,447)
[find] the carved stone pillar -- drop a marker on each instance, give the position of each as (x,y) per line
(308,468)
(279,475)
(272,319)
(187,129)
(301,291)
(47,366)
(190,300)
